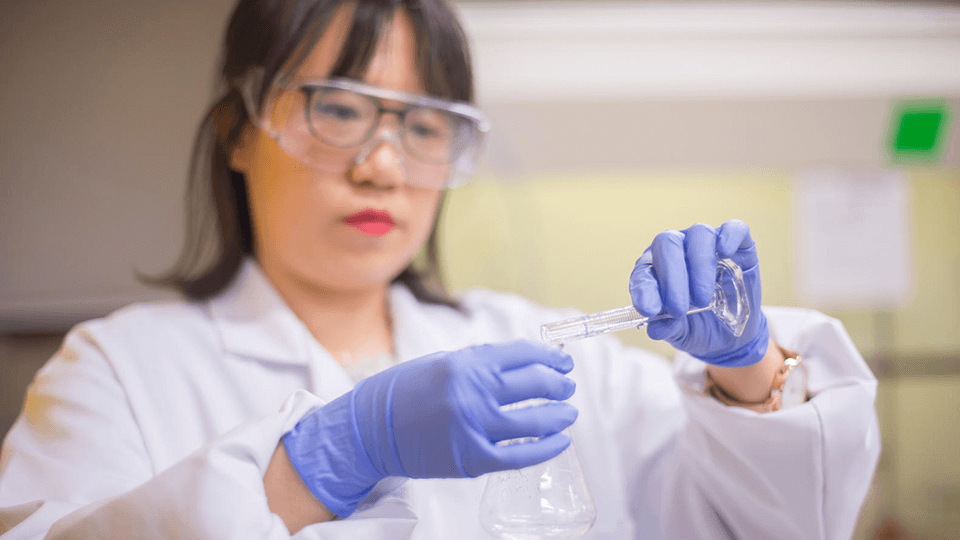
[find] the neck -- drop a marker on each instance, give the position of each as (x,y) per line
(348,324)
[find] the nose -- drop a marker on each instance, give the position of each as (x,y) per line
(380,162)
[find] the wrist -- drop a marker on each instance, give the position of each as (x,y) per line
(748,384)
(289,497)
(327,453)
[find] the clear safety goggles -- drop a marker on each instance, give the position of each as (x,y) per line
(334,124)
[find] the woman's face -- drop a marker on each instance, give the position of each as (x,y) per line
(326,231)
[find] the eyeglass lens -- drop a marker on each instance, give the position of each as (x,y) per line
(345,119)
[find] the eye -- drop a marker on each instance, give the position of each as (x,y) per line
(338,107)
(336,112)
(422,131)
(428,124)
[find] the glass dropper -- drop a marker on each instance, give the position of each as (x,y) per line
(733,312)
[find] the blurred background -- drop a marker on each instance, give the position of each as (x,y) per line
(830,127)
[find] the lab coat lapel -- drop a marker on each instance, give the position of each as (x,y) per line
(420,329)
(254,321)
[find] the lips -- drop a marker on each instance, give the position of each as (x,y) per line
(371,222)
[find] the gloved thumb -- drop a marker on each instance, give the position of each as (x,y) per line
(667,329)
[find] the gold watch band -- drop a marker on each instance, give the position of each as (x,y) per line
(773,401)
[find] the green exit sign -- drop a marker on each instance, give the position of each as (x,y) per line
(919,129)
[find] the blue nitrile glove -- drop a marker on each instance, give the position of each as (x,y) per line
(435,417)
(678,271)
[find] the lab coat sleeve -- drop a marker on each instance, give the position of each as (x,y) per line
(75,466)
(800,473)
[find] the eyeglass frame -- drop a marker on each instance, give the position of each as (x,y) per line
(378,95)
(248,85)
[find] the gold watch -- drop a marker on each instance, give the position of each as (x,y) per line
(789,387)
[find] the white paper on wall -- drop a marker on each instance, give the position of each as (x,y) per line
(853,238)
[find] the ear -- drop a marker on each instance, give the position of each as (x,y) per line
(225,118)
(242,149)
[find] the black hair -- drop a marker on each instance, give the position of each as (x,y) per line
(275,36)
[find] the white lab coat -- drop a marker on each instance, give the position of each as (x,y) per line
(159,422)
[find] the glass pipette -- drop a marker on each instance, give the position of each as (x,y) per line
(729,303)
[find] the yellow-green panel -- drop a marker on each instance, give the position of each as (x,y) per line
(572,239)
(476,239)
(931,321)
(922,453)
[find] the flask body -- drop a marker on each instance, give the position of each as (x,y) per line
(547,500)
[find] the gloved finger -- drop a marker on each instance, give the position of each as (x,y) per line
(700,246)
(535,421)
(733,238)
(644,291)
(522,352)
(519,456)
(670,267)
(530,382)
(667,329)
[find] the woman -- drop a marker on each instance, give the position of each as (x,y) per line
(339,126)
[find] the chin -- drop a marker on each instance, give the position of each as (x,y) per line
(339,271)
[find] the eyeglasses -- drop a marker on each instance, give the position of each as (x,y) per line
(334,124)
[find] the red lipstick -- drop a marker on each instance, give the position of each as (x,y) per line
(371,222)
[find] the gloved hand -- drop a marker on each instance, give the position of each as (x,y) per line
(678,272)
(435,417)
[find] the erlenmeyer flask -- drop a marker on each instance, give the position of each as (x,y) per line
(548,500)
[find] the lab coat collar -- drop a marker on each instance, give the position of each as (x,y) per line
(420,329)
(414,334)
(254,320)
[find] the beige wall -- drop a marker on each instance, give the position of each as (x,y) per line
(98,106)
